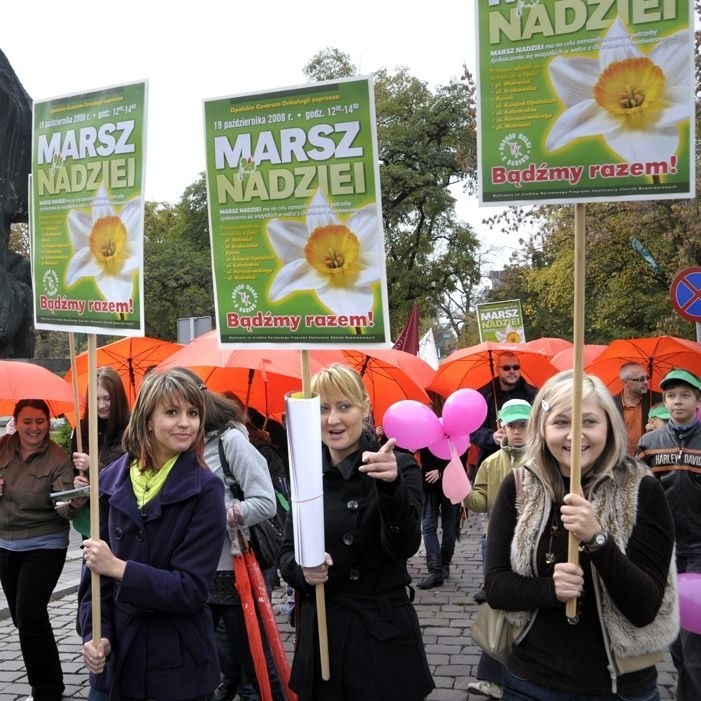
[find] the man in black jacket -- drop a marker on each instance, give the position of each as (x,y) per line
(506,384)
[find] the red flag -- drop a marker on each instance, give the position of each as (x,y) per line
(408,340)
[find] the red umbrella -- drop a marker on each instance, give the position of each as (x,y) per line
(255,642)
(267,617)
(131,357)
(259,378)
(550,346)
(21,380)
(476,366)
(389,375)
(564,360)
(658,355)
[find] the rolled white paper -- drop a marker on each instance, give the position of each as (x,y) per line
(304,446)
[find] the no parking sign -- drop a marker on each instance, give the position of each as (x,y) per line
(685,294)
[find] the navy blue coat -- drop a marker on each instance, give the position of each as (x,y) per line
(156,618)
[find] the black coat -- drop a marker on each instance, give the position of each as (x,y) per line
(370,528)
(429,462)
(109,449)
(495,398)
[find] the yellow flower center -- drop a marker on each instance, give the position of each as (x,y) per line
(335,252)
(632,89)
(108,243)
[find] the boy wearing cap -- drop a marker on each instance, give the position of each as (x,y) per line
(513,417)
(674,456)
(657,417)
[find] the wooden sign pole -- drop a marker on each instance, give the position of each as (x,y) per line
(94,498)
(578,367)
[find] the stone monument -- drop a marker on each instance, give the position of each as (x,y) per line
(16,314)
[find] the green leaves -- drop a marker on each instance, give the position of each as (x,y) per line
(177,262)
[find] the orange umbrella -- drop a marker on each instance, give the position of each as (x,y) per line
(564,360)
(255,641)
(550,346)
(390,375)
(476,366)
(21,380)
(266,616)
(658,355)
(131,357)
(259,378)
(264,391)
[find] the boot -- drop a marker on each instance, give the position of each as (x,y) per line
(445,565)
(434,578)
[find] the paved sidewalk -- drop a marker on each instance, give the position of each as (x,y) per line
(445,614)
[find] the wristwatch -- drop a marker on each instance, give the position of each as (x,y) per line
(598,541)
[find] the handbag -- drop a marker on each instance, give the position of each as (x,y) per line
(493,633)
(266,536)
(222,589)
(491,630)
(266,539)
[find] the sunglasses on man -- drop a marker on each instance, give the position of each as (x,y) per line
(510,367)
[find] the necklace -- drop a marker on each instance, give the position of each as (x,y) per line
(554,530)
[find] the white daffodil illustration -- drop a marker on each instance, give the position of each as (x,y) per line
(336,260)
(508,335)
(635,101)
(106,245)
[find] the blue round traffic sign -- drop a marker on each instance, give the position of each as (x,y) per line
(685,293)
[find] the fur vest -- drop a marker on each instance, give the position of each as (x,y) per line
(615,502)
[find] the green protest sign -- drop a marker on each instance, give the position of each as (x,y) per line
(582,100)
(501,322)
(87,207)
(295,216)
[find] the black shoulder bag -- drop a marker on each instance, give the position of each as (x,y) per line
(266,536)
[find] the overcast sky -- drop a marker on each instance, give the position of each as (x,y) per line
(213,48)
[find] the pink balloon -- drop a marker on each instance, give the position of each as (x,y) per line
(689,585)
(456,486)
(464,411)
(413,424)
(441,448)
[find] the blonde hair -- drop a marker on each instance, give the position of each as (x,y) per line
(340,379)
(158,387)
(556,396)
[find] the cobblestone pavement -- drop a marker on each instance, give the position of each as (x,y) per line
(445,614)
